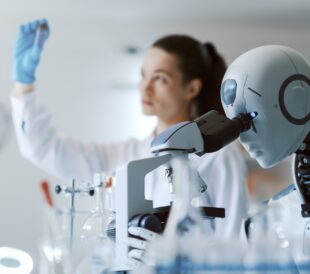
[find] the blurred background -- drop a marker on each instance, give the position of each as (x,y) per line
(88,78)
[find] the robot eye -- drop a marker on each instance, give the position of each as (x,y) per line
(228,91)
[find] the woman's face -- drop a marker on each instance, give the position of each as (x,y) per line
(163,92)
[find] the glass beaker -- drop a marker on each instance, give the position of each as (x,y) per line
(54,247)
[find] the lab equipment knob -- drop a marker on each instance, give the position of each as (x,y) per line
(91,192)
(58,189)
(71,190)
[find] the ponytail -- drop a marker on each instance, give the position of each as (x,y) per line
(215,70)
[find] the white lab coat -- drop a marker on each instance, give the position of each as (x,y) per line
(224,172)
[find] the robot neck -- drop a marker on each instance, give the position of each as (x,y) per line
(302,175)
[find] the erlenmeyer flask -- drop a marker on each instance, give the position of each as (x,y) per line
(95,226)
(94,229)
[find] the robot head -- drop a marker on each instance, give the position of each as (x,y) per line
(274,81)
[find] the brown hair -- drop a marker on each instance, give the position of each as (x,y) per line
(198,61)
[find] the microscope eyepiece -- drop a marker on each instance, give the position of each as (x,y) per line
(218,131)
(245,120)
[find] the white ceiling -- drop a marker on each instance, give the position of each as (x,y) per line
(143,10)
(93,35)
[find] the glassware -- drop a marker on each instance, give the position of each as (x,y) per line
(269,249)
(55,255)
(94,229)
(54,245)
(95,225)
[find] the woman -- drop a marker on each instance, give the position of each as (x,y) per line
(180,81)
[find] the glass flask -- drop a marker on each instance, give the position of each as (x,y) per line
(95,225)
(94,229)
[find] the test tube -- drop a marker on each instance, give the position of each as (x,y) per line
(42,33)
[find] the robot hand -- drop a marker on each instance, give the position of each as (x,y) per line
(29,44)
(139,246)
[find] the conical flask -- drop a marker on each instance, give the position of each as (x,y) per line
(94,229)
(95,226)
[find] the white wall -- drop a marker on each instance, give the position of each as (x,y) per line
(84,65)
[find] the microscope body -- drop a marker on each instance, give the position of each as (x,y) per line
(176,141)
(130,186)
(130,201)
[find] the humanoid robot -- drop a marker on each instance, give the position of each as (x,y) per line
(274,81)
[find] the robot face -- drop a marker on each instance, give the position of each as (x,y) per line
(272,81)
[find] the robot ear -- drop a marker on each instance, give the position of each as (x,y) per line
(228,92)
(296,100)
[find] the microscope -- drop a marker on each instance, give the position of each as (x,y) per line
(206,134)
(274,81)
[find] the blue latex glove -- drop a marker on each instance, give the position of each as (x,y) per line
(30,42)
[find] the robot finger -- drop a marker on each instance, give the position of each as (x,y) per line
(136,254)
(132,263)
(143,233)
(136,243)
